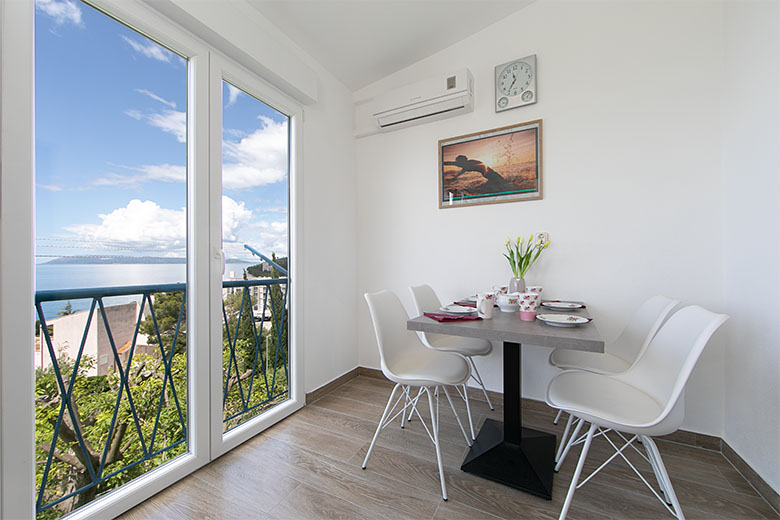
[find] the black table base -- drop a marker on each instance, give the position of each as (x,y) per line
(508,453)
(527,466)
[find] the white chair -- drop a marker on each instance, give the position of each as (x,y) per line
(425,300)
(619,354)
(408,363)
(646,400)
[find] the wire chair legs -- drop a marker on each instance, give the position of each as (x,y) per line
(478,378)
(408,408)
(667,497)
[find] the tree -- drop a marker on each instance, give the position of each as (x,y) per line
(93,402)
(67,310)
(167,307)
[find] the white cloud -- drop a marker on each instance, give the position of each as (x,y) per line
(155,97)
(135,114)
(50,187)
(138,222)
(172,122)
(153,172)
(273,237)
(150,49)
(145,222)
(63,11)
(258,159)
(235,216)
(233,93)
(165,172)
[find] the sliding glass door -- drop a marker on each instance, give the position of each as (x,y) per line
(111,251)
(251,149)
(164,256)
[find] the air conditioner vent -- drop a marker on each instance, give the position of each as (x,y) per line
(425,101)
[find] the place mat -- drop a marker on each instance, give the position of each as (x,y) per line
(449,317)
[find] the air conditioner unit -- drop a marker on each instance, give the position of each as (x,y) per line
(424,101)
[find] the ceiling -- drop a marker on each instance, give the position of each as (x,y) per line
(362,41)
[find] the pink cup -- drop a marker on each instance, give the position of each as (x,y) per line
(528,303)
(528,315)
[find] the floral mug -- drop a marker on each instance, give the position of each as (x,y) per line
(485,305)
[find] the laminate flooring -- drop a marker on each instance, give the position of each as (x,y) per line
(308,467)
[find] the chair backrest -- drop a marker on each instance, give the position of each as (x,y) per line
(641,328)
(663,370)
(425,299)
(395,342)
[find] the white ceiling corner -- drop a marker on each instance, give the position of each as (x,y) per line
(363,41)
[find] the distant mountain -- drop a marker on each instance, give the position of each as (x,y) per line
(99,260)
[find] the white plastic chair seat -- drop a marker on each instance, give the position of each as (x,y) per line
(605,363)
(465,346)
(429,368)
(606,401)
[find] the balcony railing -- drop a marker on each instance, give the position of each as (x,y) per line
(109,408)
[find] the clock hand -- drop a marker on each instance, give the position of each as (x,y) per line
(513,82)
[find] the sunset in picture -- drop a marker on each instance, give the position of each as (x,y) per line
(492,166)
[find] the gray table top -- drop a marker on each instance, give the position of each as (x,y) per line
(507,326)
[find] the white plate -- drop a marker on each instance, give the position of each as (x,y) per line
(458,309)
(562,320)
(562,306)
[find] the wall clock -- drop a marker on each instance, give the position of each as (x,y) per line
(516,83)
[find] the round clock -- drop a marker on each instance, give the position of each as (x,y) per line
(516,83)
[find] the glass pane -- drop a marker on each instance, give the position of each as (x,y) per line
(110,255)
(255,232)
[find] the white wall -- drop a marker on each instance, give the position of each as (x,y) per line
(329,207)
(629,94)
(751,220)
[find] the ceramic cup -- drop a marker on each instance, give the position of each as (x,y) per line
(528,303)
(485,305)
(534,289)
(500,289)
(507,302)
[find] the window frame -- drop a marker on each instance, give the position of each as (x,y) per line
(17,193)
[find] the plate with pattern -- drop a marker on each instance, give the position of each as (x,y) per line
(563,320)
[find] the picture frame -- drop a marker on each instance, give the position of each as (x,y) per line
(491,167)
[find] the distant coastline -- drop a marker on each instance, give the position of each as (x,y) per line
(104,260)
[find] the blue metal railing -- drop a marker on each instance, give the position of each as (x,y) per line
(245,394)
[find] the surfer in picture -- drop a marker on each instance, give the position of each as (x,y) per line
(495,182)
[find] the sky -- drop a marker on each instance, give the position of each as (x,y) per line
(111,146)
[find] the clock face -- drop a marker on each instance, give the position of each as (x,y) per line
(515,83)
(515,78)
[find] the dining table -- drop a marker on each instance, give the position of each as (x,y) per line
(506,452)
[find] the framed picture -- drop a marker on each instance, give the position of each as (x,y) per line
(500,165)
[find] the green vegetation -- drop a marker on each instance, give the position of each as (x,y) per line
(259,272)
(94,401)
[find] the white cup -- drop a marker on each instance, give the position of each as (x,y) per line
(534,289)
(485,305)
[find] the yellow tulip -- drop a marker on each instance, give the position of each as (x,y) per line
(531,237)
(518,240)
(546,244)
(507,242)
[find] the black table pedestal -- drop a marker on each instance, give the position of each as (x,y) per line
(508,453)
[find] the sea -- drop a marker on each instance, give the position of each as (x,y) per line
(79,276)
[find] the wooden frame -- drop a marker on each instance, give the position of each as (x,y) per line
(466,166)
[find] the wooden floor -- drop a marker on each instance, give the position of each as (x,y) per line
(308,467)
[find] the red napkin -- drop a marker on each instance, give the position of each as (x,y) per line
(449,317)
